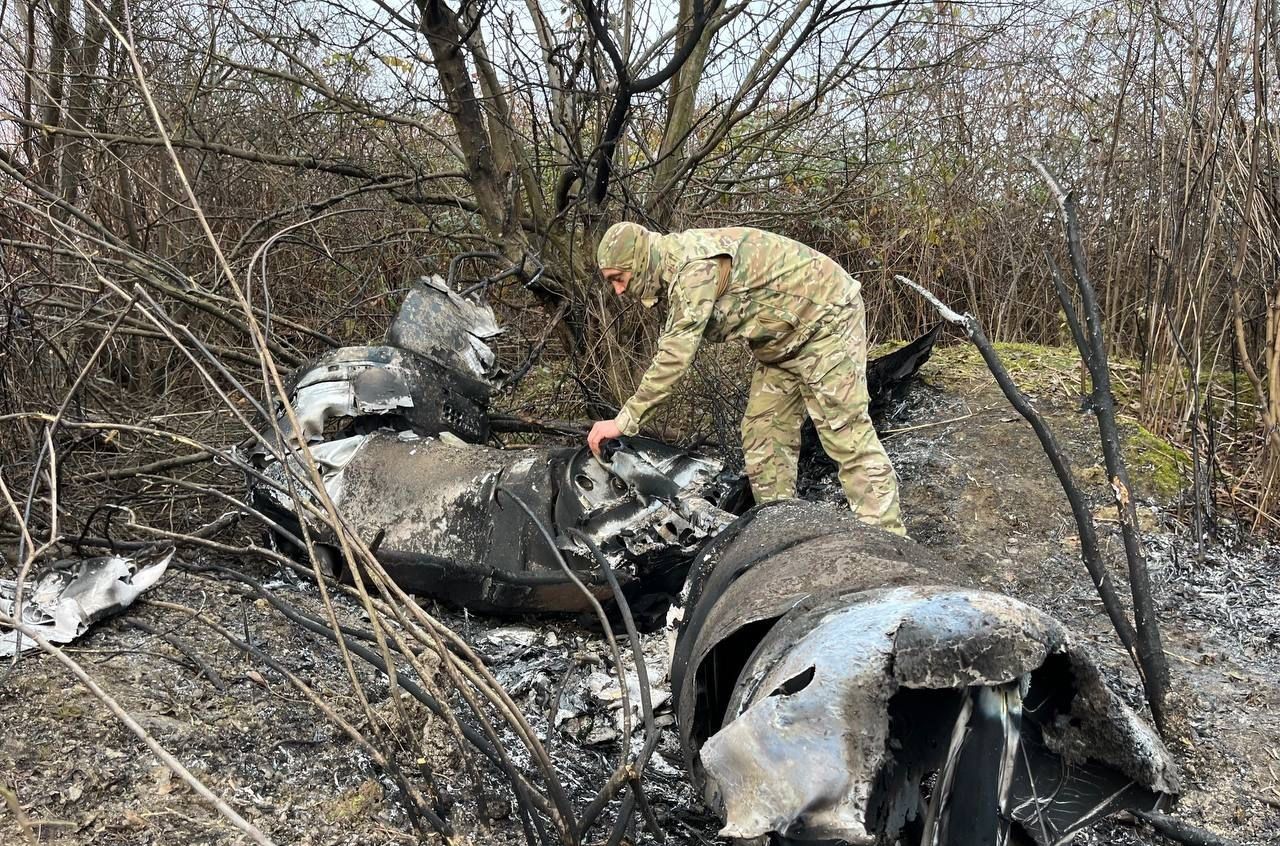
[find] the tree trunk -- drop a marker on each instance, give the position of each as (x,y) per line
(445,36)
(682,99)
(60,33)
(82,67)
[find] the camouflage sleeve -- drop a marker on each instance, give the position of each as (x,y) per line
(691,298)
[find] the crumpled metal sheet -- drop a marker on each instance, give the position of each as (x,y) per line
(432,372)
(806,633)
(445,530)
(805,550)
(645,499)
(68,597)
(437,323)
(349,386)
(830,731)
(367,382)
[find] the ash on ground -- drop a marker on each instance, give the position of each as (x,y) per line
(975,486)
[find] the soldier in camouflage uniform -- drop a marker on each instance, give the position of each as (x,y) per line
(803,318)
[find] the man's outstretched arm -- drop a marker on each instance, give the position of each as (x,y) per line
(689,308)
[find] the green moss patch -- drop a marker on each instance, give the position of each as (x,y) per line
(1156,467)
(1053,375)
(1038,371)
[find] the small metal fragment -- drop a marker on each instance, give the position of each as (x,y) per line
(68,597)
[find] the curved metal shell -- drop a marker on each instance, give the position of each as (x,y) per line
(753,573)
(822,673)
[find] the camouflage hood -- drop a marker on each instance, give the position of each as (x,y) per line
(629,246)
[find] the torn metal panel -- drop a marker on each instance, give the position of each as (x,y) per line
(431,375)
(438,324)
(889,374)
(823,673)
(362,387)
(646,499)
(68,597)
(446,532)
(754,572)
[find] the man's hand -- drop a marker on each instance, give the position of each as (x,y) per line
(602,431)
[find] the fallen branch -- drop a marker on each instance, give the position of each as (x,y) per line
(931,424)
(1181,832)
(503,423)
(139,469)
(185,648)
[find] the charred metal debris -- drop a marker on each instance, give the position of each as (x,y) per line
(903,708)
(828,682)
(399,431)
(67,597)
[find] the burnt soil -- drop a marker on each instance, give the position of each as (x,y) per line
(975,487)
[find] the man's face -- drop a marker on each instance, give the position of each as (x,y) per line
(619,279)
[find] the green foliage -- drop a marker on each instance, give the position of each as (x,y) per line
(1157,468)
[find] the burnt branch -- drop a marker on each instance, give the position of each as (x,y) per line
(614,653)
(187,650)
(1089,549)
(642,676)
(1178,831)
(1155,666)
(1068,306)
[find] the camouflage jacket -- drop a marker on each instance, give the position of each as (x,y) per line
(736,282)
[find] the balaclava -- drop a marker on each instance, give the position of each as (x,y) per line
(629,246)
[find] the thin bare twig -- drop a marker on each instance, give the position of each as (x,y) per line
(15,809)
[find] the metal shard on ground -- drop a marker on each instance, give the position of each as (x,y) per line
(61,602)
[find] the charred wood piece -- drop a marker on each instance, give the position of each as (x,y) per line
(1093,349)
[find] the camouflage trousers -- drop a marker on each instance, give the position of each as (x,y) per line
(828,378)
